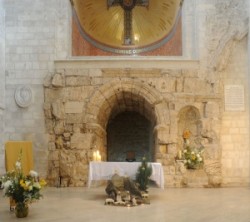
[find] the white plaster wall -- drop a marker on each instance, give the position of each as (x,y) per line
(36,34)
(248,71)
(2,82)
(189,30)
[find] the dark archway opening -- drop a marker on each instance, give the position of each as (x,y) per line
(129,137)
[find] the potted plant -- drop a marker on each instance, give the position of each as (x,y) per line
(143,173)
(22,189)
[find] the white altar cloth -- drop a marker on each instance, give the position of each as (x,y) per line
(105,170)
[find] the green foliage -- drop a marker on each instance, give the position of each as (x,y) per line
(143,173)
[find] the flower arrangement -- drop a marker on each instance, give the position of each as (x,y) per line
(21,188)
(192,158)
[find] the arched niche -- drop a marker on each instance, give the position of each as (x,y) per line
(189,118)
(121,96)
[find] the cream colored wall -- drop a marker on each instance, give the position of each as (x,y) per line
(235,125)
(2,82)
(38,32)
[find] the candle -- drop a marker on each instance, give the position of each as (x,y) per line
(97,156)
(94,156)
(179,154)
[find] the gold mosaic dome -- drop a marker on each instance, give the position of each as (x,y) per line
(127,26)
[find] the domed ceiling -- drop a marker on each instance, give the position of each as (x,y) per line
(127,26)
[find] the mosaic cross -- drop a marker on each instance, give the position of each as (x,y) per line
(128,6)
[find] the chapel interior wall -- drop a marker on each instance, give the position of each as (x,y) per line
(37,34)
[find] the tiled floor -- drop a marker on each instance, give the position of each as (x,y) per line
(169,205)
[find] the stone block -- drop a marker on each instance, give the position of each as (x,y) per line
(51,146)
(59,142)
(81,141)
(52,95)
(58,109)
(74,118)
(66,135)
(78,169)
(47,110)
(76,72)
(166,85)
(49,124)
(59,127)
(47,81)
(54,155)
(58,80)
(212,110)
(172,149)
(74,107)
(73,93)
(78,81)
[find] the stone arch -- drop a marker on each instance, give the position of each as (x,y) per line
(102,101)
(127,95)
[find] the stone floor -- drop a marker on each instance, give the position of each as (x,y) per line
(169,205)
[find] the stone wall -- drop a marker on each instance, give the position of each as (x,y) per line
(226,56)
(215,54)
(80,101)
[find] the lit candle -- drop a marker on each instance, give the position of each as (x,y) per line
(94,156)
(99,158)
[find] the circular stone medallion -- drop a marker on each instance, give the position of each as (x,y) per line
(23,96)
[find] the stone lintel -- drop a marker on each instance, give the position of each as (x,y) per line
(150,73)
(127,62)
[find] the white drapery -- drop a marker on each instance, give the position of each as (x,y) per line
(105,170)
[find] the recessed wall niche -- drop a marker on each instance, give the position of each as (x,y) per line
(190,119)
(129,138)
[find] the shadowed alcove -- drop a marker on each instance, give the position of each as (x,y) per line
(129,137)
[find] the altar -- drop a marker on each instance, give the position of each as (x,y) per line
(105,170)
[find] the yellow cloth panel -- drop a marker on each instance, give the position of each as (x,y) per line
(12,152)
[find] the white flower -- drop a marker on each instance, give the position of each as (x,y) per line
(200,159)
(18,165)
(6,185)
(33,173)
(185,151)
(198,155)
(192,152)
